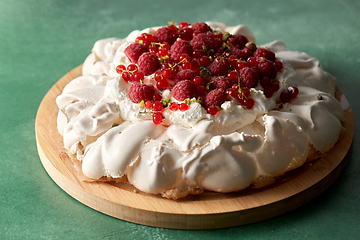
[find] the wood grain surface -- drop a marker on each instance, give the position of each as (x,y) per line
(206,211)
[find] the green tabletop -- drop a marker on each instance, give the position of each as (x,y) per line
(40,41)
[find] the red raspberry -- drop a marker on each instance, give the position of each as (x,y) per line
(201,27)
(214,98)
(134,51)
(249,77)
(201,41)
(183,89)
(243,54)
(265,53)
(238,40)
(148,63)
(163,35)
(139,92)
(266,69)
(185,74)
(221,82)
(219,67)
(180,47)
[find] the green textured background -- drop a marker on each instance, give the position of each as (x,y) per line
(40,41)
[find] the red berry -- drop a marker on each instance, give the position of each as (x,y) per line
(163,52)
(164,35)
(201,27)
(212,110)
(294,91)
(141,92)
(185,74)
(179,48)
(132,67)
(221,82)
(241,64)
(285,96)
(168,74)
(233,76)
(266,69)
(252,62)
(219,67)
(186,33)
(230,92)
(200,91)
(148,37)
(279,66)
(157,117)
(157,106)
(268,91)
(204,61)
(183,24)
(201,41)
(183,107)
(162,85)
(249,77)
(239,40)
(265,53)
(139,76)
(198,53)
(186,65)
(214,98)
(183,89)
(174,106)
(134,51)
(198,81)
(248,103)
(159,76)
(265,82)
(148,104)
(148,63)
(173,29)
(120,68)
(126,76)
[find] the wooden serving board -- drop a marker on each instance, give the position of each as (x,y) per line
(206,211)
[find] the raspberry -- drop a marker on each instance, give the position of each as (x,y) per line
(221,82)
(249,77)
(243,54)
(185,74)
(214,98)
(134,51)
(139,92)
(265,53)
(219,67)
(180,47)
(148,63)
(266,69)
(201,41)
(201,27)
(238,40)
(163,35)
(183,89)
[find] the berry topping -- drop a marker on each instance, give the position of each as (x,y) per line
(185,74)
(214,98)
(221,82)
(164,35)
(141,92)
(183,107)
(238,40)
(180,47)
(249,77)
(266,69)
(201,41)
(157,117)
(265,53)
(183,90)
(148,63)
(200,27)
(134,51)
(219,67)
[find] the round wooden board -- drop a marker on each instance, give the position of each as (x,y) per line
(206,211)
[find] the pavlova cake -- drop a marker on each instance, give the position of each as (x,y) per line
(181,109)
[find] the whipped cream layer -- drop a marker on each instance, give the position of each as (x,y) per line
(113,136)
